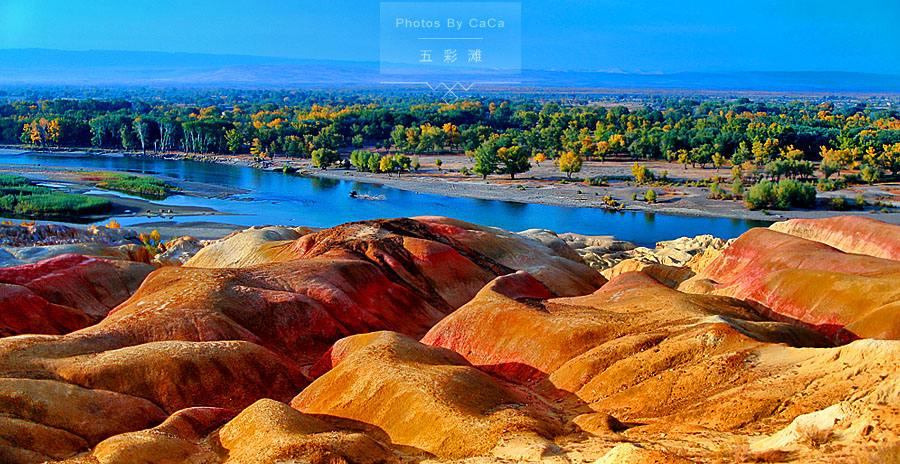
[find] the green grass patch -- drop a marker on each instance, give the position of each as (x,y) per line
(20,198)
(54,204)
(142,186)
(11,180)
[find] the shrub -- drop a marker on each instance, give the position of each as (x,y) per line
(642,174)
(761,195)
(785,194)
(611,202)
(792,193)
(716,192)
(860,201)
(596,181)
(870,174)
(828,185)
(737,188)
(838,204)
(650,196)
(813,436)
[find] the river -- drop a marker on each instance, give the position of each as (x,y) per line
(276,198)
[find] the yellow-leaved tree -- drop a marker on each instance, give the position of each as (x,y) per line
(570,163)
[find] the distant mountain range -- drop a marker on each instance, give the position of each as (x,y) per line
(36,67)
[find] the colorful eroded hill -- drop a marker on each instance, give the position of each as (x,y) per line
(429,338)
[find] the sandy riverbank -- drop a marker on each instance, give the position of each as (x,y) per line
(545,185)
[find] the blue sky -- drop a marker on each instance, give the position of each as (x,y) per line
(631,36)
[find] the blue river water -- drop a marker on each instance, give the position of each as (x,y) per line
(276,198)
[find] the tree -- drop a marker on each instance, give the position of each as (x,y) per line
(485,160)
(361,159)
(737,188)
(792,153)
(741,154)
(438,163)
(570,163)
(512,160)
(650,196)
(374,162)
(234,141)
(141,129)
(398,163)
(386,164)
(257,149)
(684,157)
(41,132)
(129,140)
(718,160)
(324,157)
(539,158)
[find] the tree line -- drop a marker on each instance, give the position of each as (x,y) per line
(503,136)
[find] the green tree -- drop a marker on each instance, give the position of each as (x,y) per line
(737,188)
(870,174)
(324,157)
(485,160)
(234,141)
(373,162)
(741,154)
(512,160)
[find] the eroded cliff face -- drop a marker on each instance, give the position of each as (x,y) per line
(850,234)
(429,338)
(845,295)
(64,293)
